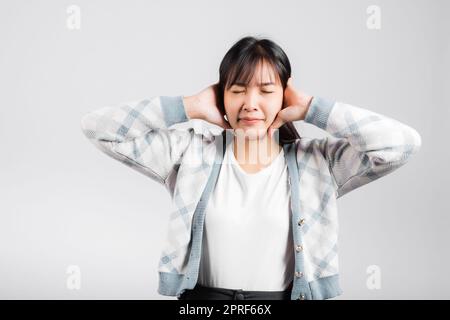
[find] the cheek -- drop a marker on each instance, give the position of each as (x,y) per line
(271,117)
(273,110)
(231,107)
(277,106)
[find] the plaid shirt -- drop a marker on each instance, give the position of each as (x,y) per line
(363,147)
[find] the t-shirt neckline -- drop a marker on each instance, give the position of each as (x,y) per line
(258,173)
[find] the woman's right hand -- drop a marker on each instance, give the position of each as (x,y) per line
(203,105)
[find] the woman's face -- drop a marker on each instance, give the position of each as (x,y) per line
(261,100)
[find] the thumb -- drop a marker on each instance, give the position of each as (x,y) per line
(277,123)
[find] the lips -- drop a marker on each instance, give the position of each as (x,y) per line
(248,120)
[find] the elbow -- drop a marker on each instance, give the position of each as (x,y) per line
(87,125)
(83,122)
(413,143)
(400,153)
(416,141)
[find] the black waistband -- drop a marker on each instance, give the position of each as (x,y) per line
(201,292)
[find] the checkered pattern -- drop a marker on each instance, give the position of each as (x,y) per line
(363,147)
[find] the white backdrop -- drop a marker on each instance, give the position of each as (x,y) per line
(64,203)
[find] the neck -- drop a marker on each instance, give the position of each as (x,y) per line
(260,151)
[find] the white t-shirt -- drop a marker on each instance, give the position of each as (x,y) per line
(247,239)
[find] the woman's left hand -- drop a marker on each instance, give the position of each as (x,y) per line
(295,107)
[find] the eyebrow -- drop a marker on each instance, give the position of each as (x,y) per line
(241,84)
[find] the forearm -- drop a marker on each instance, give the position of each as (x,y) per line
(137,134)
(306,102)
(191,107)
(365,129)
(364,145)
(133,119)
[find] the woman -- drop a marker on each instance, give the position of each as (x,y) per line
(255,206)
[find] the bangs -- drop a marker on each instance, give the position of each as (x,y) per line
(242,72)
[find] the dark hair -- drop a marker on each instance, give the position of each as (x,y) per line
(239,64)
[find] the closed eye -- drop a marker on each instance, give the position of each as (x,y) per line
(243,91)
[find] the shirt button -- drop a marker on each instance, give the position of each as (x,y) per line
(302,297)
(299,248)
(298,274)
(301,222)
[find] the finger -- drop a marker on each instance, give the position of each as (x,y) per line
(272,131)
(273,128)
(277,123)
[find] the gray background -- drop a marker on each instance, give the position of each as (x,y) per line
(65,203)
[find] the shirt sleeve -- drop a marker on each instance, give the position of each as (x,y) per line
(138,134)
(364,145)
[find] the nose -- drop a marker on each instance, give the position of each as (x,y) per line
(250,102)
(249,108)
